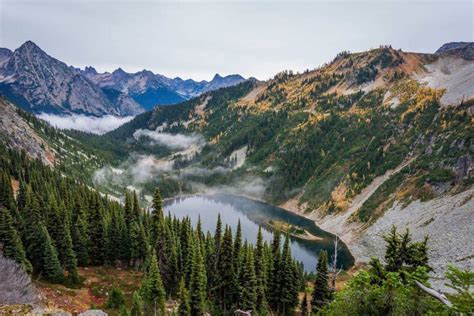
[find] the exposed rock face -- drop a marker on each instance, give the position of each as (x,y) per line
(461,49)
(448,220)
(41,83)
(15,132)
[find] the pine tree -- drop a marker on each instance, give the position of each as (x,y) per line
(51,269)
(152,288)
(237,261)
(116,298)
(11,245)
(274,284)
(184,308)
(123,311)
(70,260)
(80,235)
(97,231)
(225,284)
(249,282)
(197,284)
(321,292)
(136,309)
(260,274)
(304,305)
(288,279)
(157,217)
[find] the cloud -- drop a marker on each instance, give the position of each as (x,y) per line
(96,125)
(172,141)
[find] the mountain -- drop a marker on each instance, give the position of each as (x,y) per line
(41,83)
(464,50)
(367,140)
(149,89)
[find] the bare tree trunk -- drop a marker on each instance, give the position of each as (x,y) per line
(437,295)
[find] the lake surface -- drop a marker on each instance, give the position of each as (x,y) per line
(252,214)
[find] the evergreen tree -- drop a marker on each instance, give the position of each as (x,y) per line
(153,292)
(225,283)
(197,284)
(248,287)
(70,260)
(116,298)
(123,311)
(157,217)
(184,308)
(97,232)
(288,279)
(304,305)
(80,235)
(321,292)
(11,245)
(260,274)
(136,309)
(274,284)
(51,268)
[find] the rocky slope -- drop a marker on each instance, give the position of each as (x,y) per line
(353,145)
(41,83)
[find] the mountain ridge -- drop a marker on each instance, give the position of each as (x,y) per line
(39,83)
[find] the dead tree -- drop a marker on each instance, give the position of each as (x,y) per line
(437,295)
(334,271)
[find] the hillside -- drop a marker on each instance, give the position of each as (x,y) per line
(74,153)
(366,135)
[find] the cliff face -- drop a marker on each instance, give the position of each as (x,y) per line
(41,83)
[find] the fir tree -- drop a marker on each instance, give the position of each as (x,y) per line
(184,308)
(11,245)
(97,231)
(225,283)
(321,292)
(197,284)
(248,287)
(153,292)
(80,235)
(116,298)
(304,305)
(288,279)
(274,284)
(260,274)
(51,268)
(136,309)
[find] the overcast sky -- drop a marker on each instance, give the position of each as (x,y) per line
(196,39)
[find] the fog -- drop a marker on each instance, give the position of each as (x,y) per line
(172,141)
(96,125)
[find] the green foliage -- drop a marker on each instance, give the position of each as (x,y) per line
(137,307)
(116,299)
(184,308)
(152,290)
(462,282)
(321,293)
(11,245)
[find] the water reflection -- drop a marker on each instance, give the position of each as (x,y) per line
(252,214)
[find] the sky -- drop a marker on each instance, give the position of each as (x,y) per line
(258,38)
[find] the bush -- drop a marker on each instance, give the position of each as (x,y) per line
(116,298)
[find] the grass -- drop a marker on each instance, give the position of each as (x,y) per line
(98,281)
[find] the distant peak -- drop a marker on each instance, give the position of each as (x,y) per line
(90,70)
(119,71)
(29,45)
(216,77)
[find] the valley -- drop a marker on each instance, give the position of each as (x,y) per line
(290,165)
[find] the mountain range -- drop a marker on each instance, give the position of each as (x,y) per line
(41,83)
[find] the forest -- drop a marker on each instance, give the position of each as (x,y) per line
(50,225)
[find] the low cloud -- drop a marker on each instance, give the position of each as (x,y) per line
(172,141)
(96,125)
